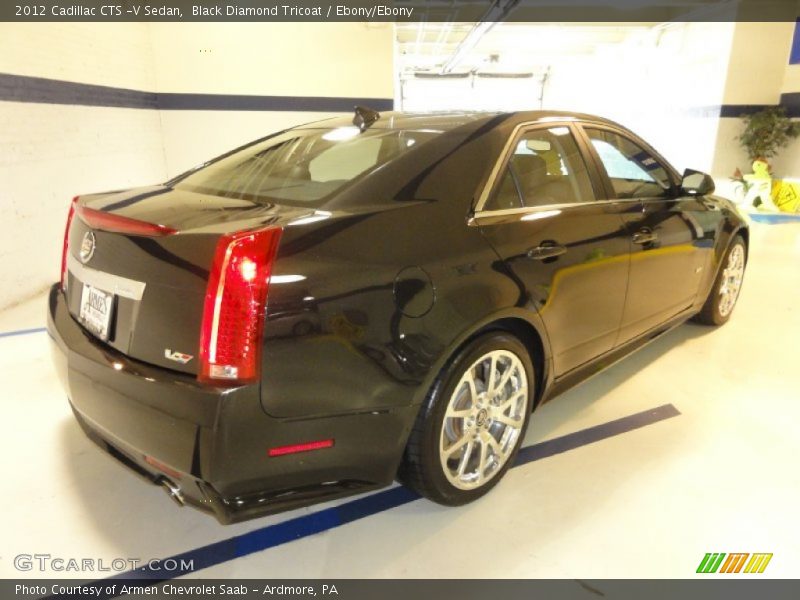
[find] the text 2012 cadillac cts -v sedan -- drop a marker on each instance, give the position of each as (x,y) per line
(355,301)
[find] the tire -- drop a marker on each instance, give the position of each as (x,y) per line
(440,439)
(722,298)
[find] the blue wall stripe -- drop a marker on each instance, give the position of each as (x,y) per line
(39,90)
(789,102)
(22,332)
(278,534)
(268,103)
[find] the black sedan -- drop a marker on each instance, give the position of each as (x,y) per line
(359,300)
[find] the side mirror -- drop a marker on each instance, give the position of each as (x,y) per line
(696,183)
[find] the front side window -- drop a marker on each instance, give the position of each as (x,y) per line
(546,168)
(633,171)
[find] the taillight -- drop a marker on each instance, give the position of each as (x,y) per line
(236,299)
(97,219)
(65,248)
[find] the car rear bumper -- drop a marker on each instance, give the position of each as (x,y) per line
(212,443)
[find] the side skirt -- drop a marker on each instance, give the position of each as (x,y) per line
(588,370)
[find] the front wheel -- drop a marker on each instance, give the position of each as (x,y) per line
(472,423)
(725,291)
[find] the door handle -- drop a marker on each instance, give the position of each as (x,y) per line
(546,250)
(644,236)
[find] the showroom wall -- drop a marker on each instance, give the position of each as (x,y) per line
(52,151)
(93,107)
(758,75)
(325,65)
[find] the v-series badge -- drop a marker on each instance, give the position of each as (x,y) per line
(177,356)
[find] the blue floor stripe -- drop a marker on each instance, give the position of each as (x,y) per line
(354,510)
(595,434)
(21,332)
(775,218)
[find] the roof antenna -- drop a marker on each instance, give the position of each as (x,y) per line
(365,117)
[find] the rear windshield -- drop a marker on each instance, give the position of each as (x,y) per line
(302,166)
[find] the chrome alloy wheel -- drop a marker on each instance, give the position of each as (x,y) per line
(732,278)
(484,419)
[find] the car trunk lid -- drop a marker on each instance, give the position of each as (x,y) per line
(151,254)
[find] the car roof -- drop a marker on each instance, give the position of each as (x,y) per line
(448,120)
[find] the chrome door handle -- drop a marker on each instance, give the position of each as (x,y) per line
(546,250)
(644,236)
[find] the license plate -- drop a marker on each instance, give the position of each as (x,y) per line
(95,314)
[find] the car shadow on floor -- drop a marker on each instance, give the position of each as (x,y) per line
(139,520)
(564,408)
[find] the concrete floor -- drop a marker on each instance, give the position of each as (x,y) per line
(721,477)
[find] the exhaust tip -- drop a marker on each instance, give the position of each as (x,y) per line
(173,491)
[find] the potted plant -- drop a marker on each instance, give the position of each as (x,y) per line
(765,134)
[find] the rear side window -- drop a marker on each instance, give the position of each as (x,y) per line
(633,171)
(302,166)
(546,168)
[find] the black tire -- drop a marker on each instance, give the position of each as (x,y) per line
(711,314)
(422,469)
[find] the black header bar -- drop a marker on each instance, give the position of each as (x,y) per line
(399,11)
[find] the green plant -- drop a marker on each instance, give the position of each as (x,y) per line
(766,132)
(738,177)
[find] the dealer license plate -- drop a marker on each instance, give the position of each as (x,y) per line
(95,314)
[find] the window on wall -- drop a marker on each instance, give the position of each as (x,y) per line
(546,168)
(633,171)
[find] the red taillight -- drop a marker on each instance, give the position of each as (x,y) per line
(65,248)
(97,219)
(236,298)
(295,448)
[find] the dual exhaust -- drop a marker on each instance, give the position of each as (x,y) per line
(173,491)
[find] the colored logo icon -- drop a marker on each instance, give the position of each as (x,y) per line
(719,562)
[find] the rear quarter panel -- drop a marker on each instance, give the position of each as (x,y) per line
(374,302)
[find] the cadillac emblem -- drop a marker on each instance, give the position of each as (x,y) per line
(87,247)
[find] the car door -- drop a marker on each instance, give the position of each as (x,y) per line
(666,234)
(566,250)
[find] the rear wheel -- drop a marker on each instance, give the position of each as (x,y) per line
(725,292)
(470,428)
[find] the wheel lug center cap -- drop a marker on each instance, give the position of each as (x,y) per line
(481,417)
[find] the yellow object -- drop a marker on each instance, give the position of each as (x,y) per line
(761,170)
(786,195)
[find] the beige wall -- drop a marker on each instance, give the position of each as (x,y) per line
(282,59)
(758,61)
(758,73)
(51,152)
(297,59)
(112,54)
(791,79)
